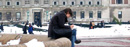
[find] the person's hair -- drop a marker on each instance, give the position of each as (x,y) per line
(68,10)
(90,22)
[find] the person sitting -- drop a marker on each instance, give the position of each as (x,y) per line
(57,29)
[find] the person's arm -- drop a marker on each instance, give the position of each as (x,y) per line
(61,21)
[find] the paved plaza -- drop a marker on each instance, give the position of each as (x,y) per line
(105,42)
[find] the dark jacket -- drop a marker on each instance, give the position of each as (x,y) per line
(90,25)
(25,29)
(58,22)
(102,24)
(1,27)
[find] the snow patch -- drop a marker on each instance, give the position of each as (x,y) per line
(14,42)
(0,43)
(82,32)
(35,26)
(114,31)
(34,43)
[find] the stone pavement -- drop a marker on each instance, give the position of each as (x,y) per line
(104,42)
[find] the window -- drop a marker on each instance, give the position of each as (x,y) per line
(27,2)
(46,1)
(8,15)
(119,1)
(17,3)
(0,15)
(55,3)
(89,2)
(90,14)
(8,3)
(125,1)
(98,3)
(113,1)
(72,3)
(63,3)
(36,1)
(82,14)
(120,14)
(18,16)
(74,13)
(99,14)
(81,3)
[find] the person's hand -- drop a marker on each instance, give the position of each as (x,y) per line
(71,26)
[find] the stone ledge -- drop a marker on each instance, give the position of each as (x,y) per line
(61,42)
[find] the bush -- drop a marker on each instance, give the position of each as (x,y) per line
(116,20)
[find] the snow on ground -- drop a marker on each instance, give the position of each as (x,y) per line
(35,26)
(82,32)
(12,30)
(44,27)
(16,30)
(115,31)
(34,43)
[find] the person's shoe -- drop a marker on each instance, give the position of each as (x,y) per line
(78,41)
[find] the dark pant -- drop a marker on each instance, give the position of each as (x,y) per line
(31,32)
(73,39)
(25,32)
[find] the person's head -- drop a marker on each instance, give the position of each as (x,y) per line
(68,12)
(90,22)
(102,21)
(29,24)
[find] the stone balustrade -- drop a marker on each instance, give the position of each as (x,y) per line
(61,42)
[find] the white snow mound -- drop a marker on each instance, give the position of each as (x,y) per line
(34,43)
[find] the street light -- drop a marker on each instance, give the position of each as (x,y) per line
(46,15)
(27,15)
(50,14)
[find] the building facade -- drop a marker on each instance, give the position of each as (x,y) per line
(83,10)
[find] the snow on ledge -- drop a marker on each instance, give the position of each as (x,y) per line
(14,42)
(0,43)
(34,43)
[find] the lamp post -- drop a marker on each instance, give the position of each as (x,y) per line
(50,14)
(27,15)
(46,15)
(13,13)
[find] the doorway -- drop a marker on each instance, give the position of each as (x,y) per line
(37,18)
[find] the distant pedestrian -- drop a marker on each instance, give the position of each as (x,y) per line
(27,22)
(91,26)
(25,29)
(1,27)
(30,29)
(102,24)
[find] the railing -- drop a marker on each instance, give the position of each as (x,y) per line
(70,6)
